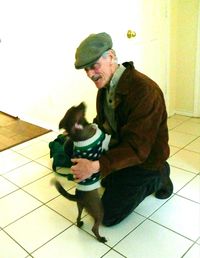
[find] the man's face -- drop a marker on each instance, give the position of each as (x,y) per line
(101,72)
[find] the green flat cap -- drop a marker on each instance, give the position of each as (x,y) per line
(91,49)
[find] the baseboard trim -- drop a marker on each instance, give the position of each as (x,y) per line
(184,113)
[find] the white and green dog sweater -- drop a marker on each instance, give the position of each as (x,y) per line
(91,149)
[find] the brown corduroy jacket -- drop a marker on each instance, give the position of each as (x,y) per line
(141,118)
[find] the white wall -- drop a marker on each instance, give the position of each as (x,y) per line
(197,73)
(38,80)
(183,56)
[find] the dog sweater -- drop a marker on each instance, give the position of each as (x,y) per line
(91,149)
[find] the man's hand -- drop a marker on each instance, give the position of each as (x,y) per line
(84,168)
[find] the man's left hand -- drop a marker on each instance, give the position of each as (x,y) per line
(84,168)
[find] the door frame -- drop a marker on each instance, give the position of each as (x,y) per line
(197,73)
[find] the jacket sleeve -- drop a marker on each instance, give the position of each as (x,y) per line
(140,134)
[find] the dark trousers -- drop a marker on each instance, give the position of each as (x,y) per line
(126,189)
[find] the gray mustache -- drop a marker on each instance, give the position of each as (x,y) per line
(95,77)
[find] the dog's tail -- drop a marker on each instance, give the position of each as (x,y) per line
(64,193)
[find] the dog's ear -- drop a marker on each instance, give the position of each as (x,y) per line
(63,122)
(68,120)
(80,114)
(81,108)
(74,118)
(61,125)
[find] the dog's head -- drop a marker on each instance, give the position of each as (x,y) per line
(74,121)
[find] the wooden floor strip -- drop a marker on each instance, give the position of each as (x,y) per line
(14,131)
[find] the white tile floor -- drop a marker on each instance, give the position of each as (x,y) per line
(35,221)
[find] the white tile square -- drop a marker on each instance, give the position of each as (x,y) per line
(35,151)
(10,160)
(73,242)
(173,150)
(173,123)
(45,161)
(180,178)
(186,160)
(9,248)
(43,190)
(194,146)
(25,144)
(179,139)
(16,205)
(180,215)
(48,137)
(195,120)
(27,173)
(189,127)
(194,252)
(37,227)
(6,187)
(153,240)
(115,233)
(192,190)
(149,205)
(181,118)
(65,207)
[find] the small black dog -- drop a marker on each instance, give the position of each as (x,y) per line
(85,141)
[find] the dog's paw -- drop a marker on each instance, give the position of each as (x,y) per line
(102,239)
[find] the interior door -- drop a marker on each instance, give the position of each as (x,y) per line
(148,49)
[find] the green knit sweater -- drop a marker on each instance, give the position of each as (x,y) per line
(91,149)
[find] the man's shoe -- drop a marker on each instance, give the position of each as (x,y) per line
(166,188)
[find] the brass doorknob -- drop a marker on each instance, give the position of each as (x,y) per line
(131,34)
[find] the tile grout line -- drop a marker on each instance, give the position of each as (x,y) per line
(15,241)
(185,170)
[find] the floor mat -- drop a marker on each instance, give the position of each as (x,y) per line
(14,131)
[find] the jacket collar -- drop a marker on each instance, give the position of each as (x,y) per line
(123,86)
(124,82)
